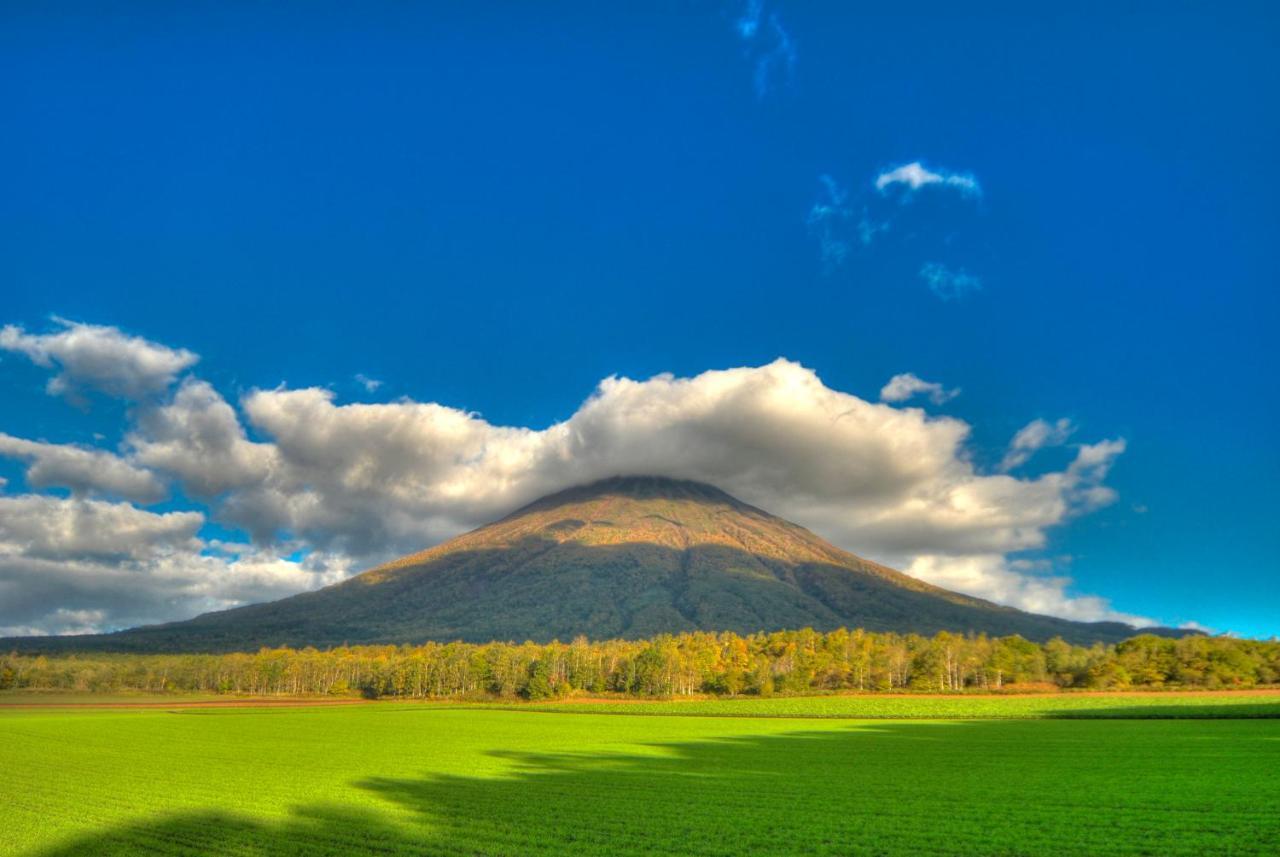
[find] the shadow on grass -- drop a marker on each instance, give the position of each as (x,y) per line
(978,787)
(1261,710)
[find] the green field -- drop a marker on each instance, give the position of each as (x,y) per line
(439,779)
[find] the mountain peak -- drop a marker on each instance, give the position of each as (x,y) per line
(636,488)
(628,556)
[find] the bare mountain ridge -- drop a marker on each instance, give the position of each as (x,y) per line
(624,557)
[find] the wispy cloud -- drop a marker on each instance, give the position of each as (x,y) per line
(748,23)
(370,384)
(1034,436)
(842,220)
(829,219)
(947,284)
(769,46)
(914,176)
(907,385)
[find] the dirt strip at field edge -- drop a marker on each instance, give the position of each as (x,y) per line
(306,702)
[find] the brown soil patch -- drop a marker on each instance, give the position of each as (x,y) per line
(245,702)
(309,702)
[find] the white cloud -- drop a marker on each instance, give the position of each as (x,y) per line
(57,528)
(76,566)
(59,621)
(354,484)
(370,384)
(997,579)
(906,386)
(914,176)
(1035,435)
(100,358)
(371,480)
(1091,465)
(84,470)
(947,284)
(197,438)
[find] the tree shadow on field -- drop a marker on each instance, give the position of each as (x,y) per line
(978,787)
(1267,708)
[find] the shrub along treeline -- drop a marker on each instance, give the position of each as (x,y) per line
(723,664)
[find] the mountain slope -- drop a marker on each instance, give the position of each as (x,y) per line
(626,557)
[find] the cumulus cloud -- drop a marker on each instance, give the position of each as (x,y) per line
(371,480)
(906,386)
(346,485)
(57,528)
(77,566)
(84,470)
(769,46)
(914,176)
(947,284)
(1035,435)
(197,437)
(95,357)
(998,579)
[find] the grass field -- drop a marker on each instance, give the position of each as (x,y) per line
(434,779)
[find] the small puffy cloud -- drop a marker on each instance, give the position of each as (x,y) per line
(370,385)
(914,176)
(96,357)
(1092,463)
(1035,435)
(947,284)
(905,386)
(84,470)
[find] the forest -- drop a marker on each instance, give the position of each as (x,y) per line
(723,664)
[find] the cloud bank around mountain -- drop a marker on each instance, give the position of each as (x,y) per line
(321,489)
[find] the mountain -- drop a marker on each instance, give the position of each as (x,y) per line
(625,557)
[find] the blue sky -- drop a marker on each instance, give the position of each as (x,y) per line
(495,209)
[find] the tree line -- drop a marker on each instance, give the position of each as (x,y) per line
(724,664)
